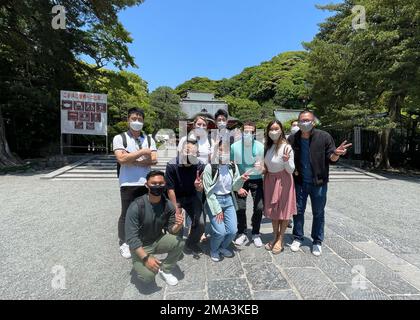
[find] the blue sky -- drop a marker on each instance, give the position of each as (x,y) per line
(177,40)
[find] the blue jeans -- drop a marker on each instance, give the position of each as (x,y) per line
(222,234)
(318,195)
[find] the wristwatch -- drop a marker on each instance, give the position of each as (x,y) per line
(145,258)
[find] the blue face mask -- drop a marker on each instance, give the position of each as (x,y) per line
(200,131)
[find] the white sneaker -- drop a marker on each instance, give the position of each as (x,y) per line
(240,241)
(125,251)
(316,250)
(215,256)
(257,240)
(295,246)
(226,253)
(169,278)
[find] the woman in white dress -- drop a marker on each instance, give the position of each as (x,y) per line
(279,188)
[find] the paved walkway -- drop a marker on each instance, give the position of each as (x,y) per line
(51,228)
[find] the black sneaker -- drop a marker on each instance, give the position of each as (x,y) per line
(193,249)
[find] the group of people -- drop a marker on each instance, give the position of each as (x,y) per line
(211,178)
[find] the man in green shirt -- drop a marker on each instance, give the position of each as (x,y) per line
(153,226)
(248,154)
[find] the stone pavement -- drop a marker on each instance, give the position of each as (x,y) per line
(371,250)
(353,266)
(346,270)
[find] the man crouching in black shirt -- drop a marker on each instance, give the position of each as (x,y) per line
(153,226)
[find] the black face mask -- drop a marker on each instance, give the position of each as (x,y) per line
(157,190)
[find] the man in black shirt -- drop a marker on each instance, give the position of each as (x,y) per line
(314,150)
(184,185)
(153,226)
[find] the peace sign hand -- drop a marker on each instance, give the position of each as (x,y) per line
(286,154)
(342,149)
(198,183)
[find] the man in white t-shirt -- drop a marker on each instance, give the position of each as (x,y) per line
(136,153)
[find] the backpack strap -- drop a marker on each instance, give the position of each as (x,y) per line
(233,167)
(149,141)
(214,170)
(124,139)
(141,207)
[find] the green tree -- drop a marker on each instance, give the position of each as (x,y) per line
(165,103)
(244,109)
(278,83)
(358,73)
(37,61)
(124,90)
(197,84)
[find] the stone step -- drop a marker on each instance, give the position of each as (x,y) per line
(86,176)
(85,179)
(103,172)
(103,161)
(105,158)
(352,180)
(90,163)
(361,177)
(342,173)
(113,167)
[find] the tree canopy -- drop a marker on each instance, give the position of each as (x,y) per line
(37,61)
(356,74)
(350,76)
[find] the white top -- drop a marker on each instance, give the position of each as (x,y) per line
(274,160)
(224,183)
(131,175)
(204,147)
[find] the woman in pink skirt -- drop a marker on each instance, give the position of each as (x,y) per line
(279,188)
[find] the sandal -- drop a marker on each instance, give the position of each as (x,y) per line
(268,246)
(277,248)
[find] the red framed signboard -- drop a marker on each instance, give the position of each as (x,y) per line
(83,113)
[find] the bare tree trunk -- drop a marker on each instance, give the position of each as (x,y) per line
(6,157)
(411,144)
(382,157)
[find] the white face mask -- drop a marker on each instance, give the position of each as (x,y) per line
(306,126)
(294,129)
(221,125)
(136,125)
(274,134)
